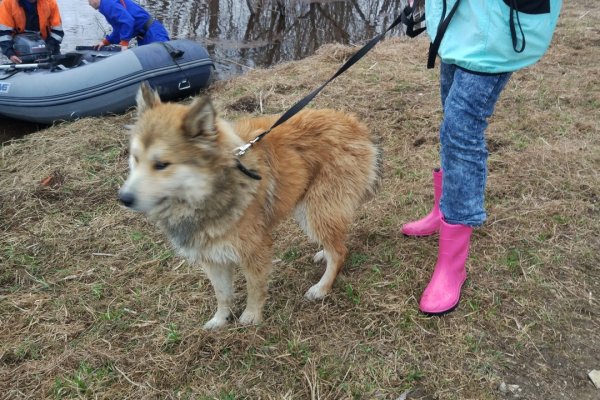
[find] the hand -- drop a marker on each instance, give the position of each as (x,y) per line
(15,59)
(99,45)
(123,48)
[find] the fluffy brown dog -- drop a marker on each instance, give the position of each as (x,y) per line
(320,164)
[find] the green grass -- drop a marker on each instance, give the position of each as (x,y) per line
(357,260)
(111,315)
(28,350)
(83,382)
(352,294)
(97,291)
(173,337)
(291,255)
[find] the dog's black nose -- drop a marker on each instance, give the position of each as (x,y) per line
(127,199)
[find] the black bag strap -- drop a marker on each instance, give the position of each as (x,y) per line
(444,22)
(514,10)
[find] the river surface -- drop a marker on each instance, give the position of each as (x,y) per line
(244,34)
(241,34)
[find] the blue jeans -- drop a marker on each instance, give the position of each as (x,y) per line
(468,100)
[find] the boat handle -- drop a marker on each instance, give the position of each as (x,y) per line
(184,84)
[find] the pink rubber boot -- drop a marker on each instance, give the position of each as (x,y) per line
(442,294)
(429,224)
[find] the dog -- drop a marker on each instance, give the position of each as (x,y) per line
(320,166)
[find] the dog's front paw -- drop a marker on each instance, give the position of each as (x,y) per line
(316,292)
(250,318)
(216,322)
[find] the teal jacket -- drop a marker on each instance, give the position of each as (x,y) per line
(478,37)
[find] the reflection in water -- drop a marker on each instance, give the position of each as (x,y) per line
(242,34)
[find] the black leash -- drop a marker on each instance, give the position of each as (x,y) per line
(406,15)
(408,19)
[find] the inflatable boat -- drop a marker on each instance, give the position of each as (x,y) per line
(90,82)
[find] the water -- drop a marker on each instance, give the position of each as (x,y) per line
(244,34)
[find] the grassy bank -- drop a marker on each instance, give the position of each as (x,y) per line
(94,303)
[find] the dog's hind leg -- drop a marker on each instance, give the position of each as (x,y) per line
(319,257)
(327,226)
(257,275)
(335,254)
(221,278)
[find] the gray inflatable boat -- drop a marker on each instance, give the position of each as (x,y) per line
(91,83)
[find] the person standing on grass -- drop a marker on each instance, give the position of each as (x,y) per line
(18,16)
(129,20)
(484,42)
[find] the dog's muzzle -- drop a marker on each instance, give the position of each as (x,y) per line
(127,199)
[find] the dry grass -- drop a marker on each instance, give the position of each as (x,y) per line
(94,304)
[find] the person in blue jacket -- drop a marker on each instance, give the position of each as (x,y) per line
(480,44)
(129,20)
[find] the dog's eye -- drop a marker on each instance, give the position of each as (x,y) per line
(161,165)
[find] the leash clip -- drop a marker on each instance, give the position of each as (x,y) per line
(240,151)
(243,149)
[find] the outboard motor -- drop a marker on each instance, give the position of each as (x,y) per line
(30,47)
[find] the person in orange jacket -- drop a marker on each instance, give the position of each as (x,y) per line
(18,16)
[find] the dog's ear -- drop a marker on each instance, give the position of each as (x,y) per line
(146,98)
(200,119)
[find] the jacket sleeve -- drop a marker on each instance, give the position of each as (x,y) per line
(7,26)
(56,33)
(55,30)
(121,21)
